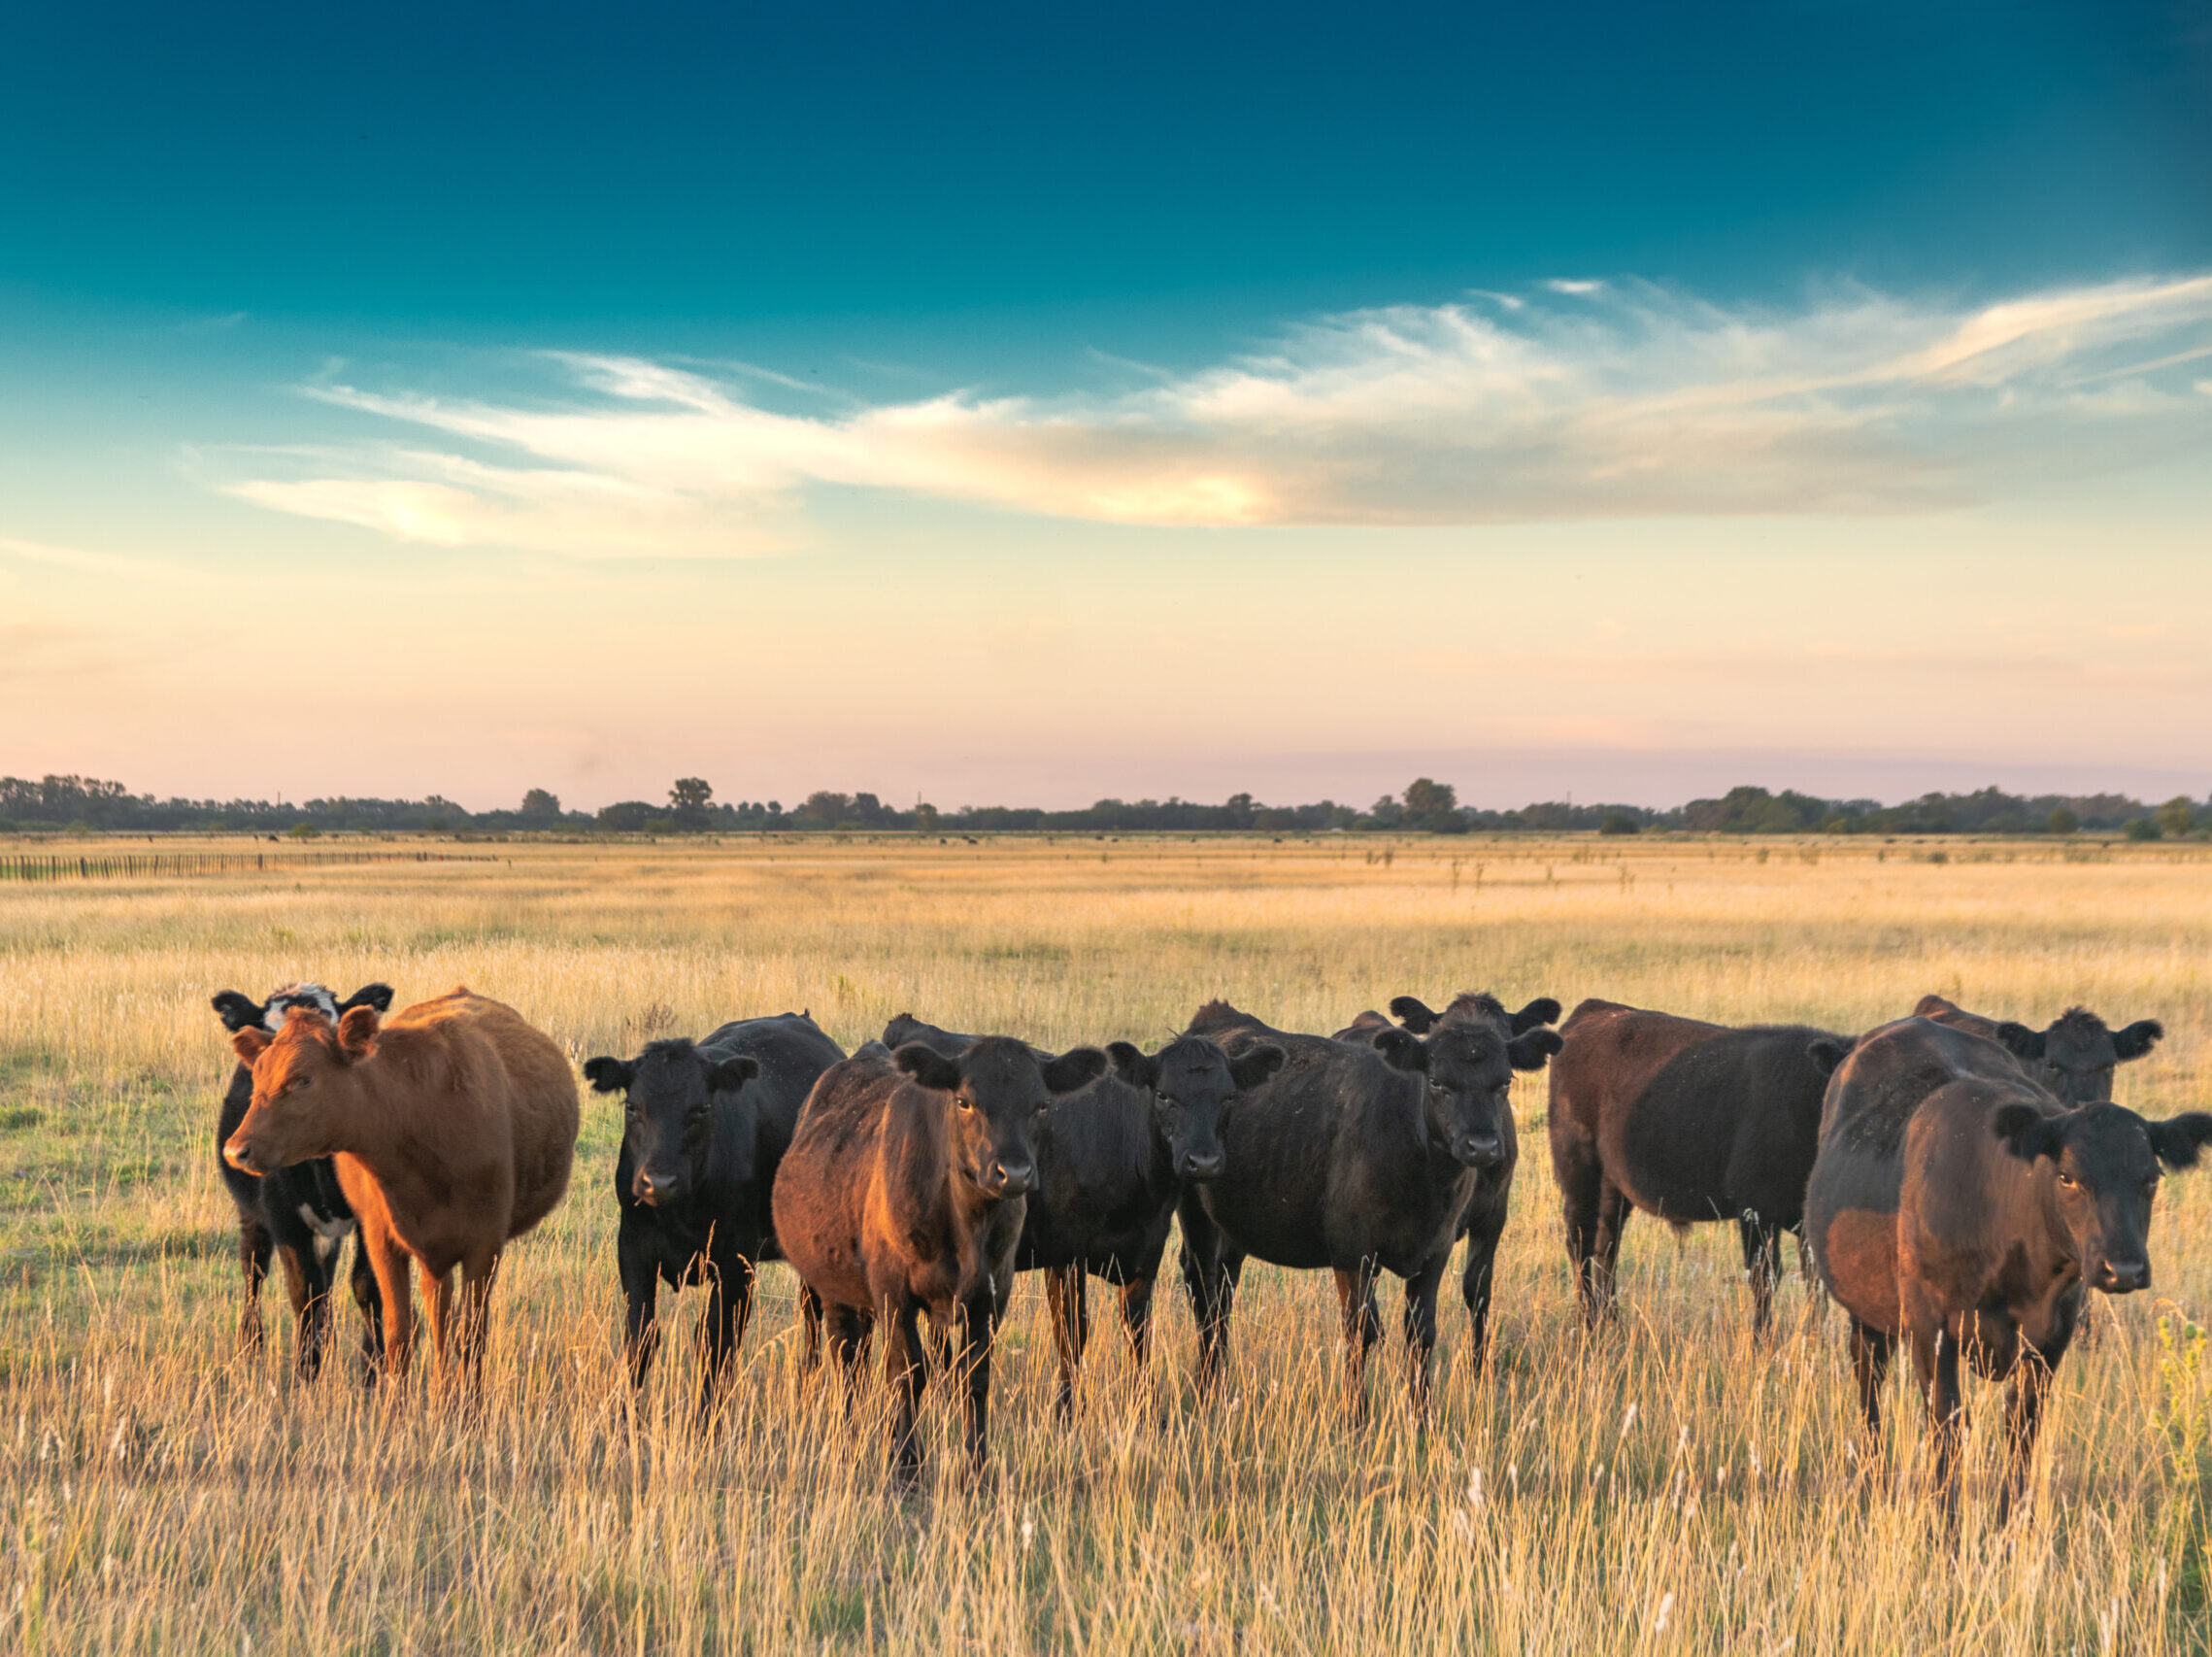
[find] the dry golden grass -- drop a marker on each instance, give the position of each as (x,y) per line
(1661,1486)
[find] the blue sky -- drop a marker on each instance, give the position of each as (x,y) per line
(1046,402)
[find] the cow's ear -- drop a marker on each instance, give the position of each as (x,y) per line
(2021,1041)
(1249,1069)
(607,1074)
(237,1013)
(2178,1139)
(1078,1068)
(1828,1052)
(928,1067)
(1542,1010)
(1399,1050)
(1414,1013)
(2137,1039)
(1132,1065)
(251,1043)
(2026,1132)
(376,995)
(358,1033)
(1528,1051)
(727,1075)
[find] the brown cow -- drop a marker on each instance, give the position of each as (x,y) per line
(2075,1058)
(904,1192)
(1689,1121)
(452,1127)
(1954,1202)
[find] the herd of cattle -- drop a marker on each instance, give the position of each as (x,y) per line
(1957,1182)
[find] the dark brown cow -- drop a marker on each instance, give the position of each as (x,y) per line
(1957,1203)
(454,1127)
(1690,1122)
(903,1193)
(2075,1058)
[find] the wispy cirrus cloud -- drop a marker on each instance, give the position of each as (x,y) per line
(1582,400)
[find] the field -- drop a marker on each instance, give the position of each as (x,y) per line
(1661,1486)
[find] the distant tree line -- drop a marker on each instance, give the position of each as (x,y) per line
(85,805)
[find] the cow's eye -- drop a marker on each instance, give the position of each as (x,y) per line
(967,1105)
(2067,1180)
(2151,1186)
(299,1084)
(1168,1101)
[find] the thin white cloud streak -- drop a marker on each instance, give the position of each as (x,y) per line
(1623,401)
(94,562)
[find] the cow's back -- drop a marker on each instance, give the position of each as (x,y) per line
(829,1176)
(792,1052)
(1608,1054)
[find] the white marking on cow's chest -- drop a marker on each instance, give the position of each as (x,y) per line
(328,1232)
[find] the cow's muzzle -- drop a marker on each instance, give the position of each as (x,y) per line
(240,1156)
(2123,1276)
(1479,1150)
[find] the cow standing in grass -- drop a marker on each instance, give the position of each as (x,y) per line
(1483,1221)
(1689,1121)
(1114,1160)
(903,1195)
(2075,1058)
(452,1126)
(1354,1158)
(705,1129)
(297,1213)
(1956,1203)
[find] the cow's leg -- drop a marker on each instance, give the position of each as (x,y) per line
(299,1290)
(1420,1330)
(977,1320)
(395,1289)
(1613,1210)
(1763,1267)
(640,1268)
(903,1371)
(1935,1358)
(1206,1276)
(810,1319)
(1869,1364)
(473,1321)
(438,1298)
(1136,1315)
(1067,1298)
(848,1339)
(370,1299)
(730,1307)
(1363,1328)
(254,1246)
(1476,1279)
(2024,1413)
(1580,1179)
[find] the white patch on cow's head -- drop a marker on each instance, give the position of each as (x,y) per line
(310,996)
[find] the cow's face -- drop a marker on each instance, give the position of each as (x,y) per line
(2077,1056)
(669,1120)
(997,1088)
(2103,1163)
(1466,1072)
(1190,1082)
(304,1083)
(238,1012)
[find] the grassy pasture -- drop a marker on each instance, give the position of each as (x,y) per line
(1659,1487)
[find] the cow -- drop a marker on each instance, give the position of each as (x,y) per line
(904,1193)
(297,1214)
(452,1126)
(1956,1203)
(705,1126)
(1689,1121)
(2075,1058)
(1360,1158)
(1113,1162)
(1483,1223)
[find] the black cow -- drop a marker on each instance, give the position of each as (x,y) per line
(1690,1122)
(2075,1058)
(904,1193)
(1356,1158)
(1954,1202)
(297,1213)
(706,1126)
(1483,1223)
(1113,1160)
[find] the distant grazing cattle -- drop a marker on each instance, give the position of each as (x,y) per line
(452,1126)
(1113,1160)
(1358,1158)
(297,1213)
(705,1128)
(904,1192)
(1957,1203)
(2075,1058)
(1690,1122)
(1483,1223)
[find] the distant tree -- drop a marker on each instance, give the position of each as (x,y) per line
(2142,829)
(824,809)
(925,818)
(2177,817)
(1618,822)
(1423,799)
(2062,821)
(626,817)
(541,802)
(1386,813)
(689,799)
(304,832)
